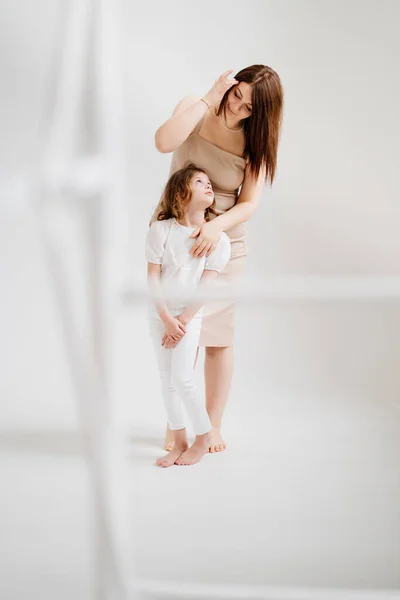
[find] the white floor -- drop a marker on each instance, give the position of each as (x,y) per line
(306,497)
(309,503)
(45,528)
(308,493)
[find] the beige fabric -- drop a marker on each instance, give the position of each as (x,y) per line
(226,172)
(218,325)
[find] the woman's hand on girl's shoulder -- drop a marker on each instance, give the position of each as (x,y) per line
(207,238)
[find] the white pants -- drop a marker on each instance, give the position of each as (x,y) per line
(176,367)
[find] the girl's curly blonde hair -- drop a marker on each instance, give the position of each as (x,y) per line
(177,195)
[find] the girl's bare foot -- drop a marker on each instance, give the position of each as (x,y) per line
(216,443)
(180,444)
(196,452)
(169,440)
(169,459)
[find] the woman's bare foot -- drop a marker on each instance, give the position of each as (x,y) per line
(196,452)
(169,440)
(216,443)
(169,459)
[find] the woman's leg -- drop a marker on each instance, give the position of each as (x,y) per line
(218,372)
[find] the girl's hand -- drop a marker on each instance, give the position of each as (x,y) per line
(207,238)
(220,87)
(174,328)
(168,342)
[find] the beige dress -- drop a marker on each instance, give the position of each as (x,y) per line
(226,173)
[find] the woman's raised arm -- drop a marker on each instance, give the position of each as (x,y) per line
(188,113)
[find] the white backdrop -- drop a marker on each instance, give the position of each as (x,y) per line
(333,207)
(333,210)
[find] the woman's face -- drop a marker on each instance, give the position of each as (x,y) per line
(239,101)
(202,192)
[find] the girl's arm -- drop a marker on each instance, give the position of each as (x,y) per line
(208,235)
(172,326)
(193,307)
(213,265)
(188,113)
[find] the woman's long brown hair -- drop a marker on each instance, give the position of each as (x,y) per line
(262,127)
(177,195)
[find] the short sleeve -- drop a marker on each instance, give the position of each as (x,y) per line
(155,241)
(219,257)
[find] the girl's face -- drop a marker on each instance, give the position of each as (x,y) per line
(202,192)
(239,100)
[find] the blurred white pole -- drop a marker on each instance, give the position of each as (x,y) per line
(112,120)
(84,177)
(63,133)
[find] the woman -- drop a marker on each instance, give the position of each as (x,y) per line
(232,133)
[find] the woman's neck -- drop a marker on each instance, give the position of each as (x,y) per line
(229,121)
(192,218)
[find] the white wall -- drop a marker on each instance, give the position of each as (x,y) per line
(333,208)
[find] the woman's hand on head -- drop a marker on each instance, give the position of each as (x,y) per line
(207,237)
(219,89)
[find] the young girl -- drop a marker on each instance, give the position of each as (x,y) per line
(175,314)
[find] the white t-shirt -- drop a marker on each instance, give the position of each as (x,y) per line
(168,244)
